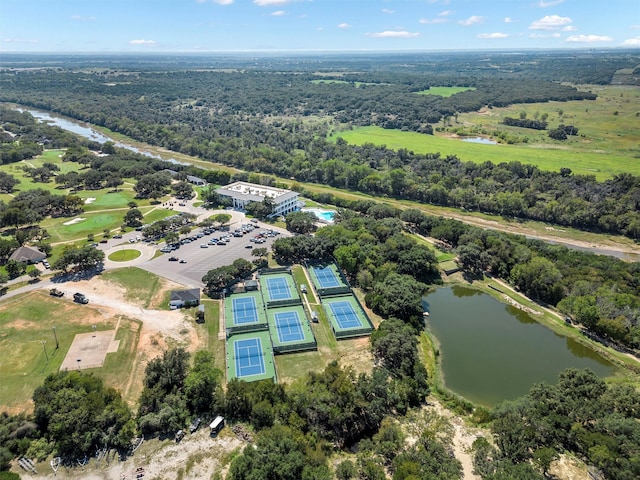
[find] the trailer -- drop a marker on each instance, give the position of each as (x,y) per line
(216,425)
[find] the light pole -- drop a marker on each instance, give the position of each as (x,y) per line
(46,355)
(56,337)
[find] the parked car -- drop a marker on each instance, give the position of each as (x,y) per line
(80,298)
(195,424)
(183,261)
(173,259)
(117,236)
(56,293)
(179,435)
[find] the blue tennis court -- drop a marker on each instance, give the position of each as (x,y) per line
(288,327)
(249,357)
(278,288)
(326,277)
(244,310)
(345,315)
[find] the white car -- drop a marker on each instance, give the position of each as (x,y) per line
(204,245)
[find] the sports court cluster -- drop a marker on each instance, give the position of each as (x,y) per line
(273,319)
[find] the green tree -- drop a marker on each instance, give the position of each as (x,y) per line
(183,190)
(539,279)
(301,222)
(133,218)
(79,414)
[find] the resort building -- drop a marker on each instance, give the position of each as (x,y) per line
(243,193)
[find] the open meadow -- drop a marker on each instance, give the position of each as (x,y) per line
(29,326)
(608,142)
(444,91)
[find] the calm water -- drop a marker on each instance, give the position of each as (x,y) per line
(87,132)
(492,352)
(482,140)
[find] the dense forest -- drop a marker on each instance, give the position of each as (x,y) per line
(277,118)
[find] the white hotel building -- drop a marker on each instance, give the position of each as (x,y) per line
(243,193)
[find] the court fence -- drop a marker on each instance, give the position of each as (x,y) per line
(284,303)
(297,347)
(274,270)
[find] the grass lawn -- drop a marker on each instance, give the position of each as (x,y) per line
(124,255)
(606,125)
(208,331)
(444,91)
(602,165)
(27,321)
(140,286)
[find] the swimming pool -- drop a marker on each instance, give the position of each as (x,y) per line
(323,215)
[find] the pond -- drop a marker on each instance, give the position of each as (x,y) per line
(492,352)
(485,141)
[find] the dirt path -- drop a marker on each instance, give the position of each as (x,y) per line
(463,438)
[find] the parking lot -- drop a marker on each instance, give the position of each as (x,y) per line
(199,260)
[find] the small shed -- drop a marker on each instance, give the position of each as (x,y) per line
(250,285)
(184,298)
(27,255)
(200,314)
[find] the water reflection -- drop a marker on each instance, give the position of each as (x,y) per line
(89,133)
(491,353)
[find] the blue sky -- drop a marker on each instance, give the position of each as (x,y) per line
(314,25)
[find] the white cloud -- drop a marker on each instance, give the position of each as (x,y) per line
(508,20)
(446,13)
(148,43)
(431,21)
(344,25)
(635,27)
(588,38)
(472,20)
(545,35)
(270,3)
(550,3)
(550,22)
(632,42)
(82,19)
(393,34)
(492,35)
(386,10)
(278,13)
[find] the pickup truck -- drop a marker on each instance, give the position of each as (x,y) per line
(54,292)
(80,298)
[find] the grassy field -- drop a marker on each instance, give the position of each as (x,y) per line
(552,157)
(124,255)
(28,320)
(140,286)
(610,124)
(444,91)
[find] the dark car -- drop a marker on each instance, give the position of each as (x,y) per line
(195,425)
(173,259)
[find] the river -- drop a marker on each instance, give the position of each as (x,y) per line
(492,352)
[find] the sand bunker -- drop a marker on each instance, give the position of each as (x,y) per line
(75,220)
(89,200)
